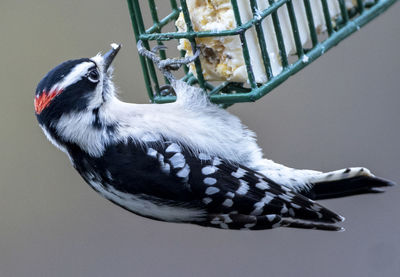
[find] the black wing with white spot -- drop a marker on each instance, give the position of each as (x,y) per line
(228,195)
(236,197)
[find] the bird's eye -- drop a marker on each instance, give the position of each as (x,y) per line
(93,76)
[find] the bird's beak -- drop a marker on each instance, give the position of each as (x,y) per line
(110,55)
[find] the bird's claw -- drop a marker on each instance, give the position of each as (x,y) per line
(157,48)
(168,64)
(167,90)
(175,64)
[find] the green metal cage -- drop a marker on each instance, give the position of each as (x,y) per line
(228,93)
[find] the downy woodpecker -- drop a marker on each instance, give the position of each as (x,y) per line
(188,161)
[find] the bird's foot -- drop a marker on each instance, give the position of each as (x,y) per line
(166,90)
(166,65)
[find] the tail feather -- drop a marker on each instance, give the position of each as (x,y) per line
(290,223)
(347,182)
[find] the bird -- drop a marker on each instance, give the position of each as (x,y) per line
(189,161)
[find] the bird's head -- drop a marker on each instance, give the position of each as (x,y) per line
(75,86)
(68,100)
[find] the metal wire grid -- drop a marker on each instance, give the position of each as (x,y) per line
(228,93)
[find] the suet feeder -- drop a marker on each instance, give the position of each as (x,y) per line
(262,21)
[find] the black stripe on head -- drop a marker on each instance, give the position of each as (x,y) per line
(56,74)
(73,98)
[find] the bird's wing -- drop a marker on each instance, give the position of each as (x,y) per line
(237,197)
(232,196)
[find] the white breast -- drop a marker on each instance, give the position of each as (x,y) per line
(147,208)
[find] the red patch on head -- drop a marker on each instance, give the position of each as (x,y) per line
(44,99)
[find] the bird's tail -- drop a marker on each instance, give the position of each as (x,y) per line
(344,182)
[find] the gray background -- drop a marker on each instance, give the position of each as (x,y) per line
(341,111)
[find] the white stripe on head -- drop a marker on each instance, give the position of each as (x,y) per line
(74,76)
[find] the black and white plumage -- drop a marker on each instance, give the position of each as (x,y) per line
(187,161)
